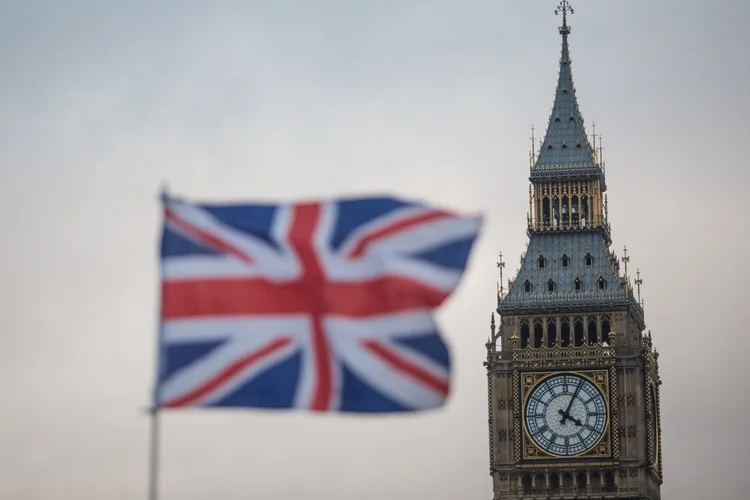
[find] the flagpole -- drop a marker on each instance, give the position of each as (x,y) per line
(153,468)
(154,445)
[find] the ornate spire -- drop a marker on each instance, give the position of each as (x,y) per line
(566,149)
(564,7)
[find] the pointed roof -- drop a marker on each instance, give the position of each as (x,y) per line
(568,258)
(566,150)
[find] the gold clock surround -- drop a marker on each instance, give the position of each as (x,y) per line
(529,450)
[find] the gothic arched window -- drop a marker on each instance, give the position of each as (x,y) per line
(567,481)
(524,334)
(551,286)
(602,284)
(606,328)
(554,482)
(545,211)
(578,331)
(538,332)
(551,332)
(539,483)
(609,482)
(581,481)
(578,285)
(556,212)
(596,481)
(565,260)
(588,260)
(584,210)
(542,262)
(565,333)
(593,332)
(526,480)
(527,287)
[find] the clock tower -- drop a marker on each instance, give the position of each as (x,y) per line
(573,379)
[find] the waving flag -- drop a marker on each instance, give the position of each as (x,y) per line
(321,306)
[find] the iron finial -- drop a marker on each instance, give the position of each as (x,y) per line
(564,7)
(638,283)
(593,135)
(500,266)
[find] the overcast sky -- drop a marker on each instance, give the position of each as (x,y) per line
(101,103)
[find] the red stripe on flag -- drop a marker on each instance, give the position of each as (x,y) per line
(227,373)
(243,297)
(305,220)
(205,238)
(401,225)
(405,366)
(301,236)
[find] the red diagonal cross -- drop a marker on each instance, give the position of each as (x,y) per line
(311,294)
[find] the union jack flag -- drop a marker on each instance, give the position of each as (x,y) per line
(322,306)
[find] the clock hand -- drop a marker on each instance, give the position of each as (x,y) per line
(578,389)
(566,416)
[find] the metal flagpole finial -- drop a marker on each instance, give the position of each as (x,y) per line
(164,192)
(564,7)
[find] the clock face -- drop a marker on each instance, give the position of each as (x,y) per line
(566,415)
